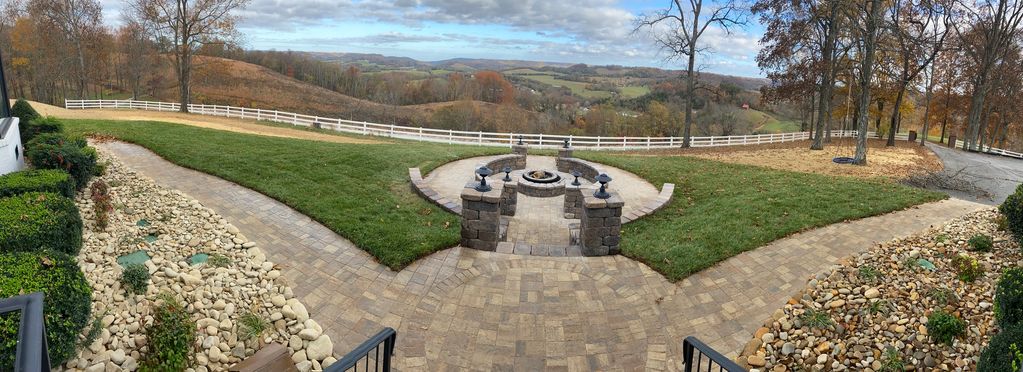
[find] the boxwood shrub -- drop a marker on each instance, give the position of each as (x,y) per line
(1012,208)
(1009,299)
(32,129)
(1004,352)
(37,180)
(66,306)
(24,112)
(39,221)
(58,151)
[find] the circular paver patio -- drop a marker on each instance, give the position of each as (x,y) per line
(539,221)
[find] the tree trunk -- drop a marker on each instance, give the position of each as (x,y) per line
(927,107)
(184,77)
(866,73)
(896,116)
(827,82)
(690,95)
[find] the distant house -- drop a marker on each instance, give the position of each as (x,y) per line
(745,106)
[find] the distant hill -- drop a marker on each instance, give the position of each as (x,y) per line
(474,64)
(231,82)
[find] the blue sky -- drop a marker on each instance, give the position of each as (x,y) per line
(595,32)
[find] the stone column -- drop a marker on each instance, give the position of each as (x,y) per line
(565,153)
(509,198)
(573,201)
(600,226)
(481,217)
(520,150)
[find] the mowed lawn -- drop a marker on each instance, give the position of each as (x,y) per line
(720,210)
(362,192)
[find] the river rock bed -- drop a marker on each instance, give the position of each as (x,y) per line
(875,306)
(172,227)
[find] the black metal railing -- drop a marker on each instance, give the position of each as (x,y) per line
(697,356)
(31,353)
(374,354)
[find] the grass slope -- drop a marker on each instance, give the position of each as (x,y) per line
(720,210)
(359,191)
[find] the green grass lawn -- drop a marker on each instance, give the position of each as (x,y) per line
(720,210)
(361,192)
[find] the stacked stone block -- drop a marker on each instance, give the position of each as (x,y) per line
(565,153)
(515,161)
(573,201)
(481,217)
(509,198)
(520,150)
(600,227)
(567,165)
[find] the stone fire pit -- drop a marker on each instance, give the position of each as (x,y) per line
(541,183)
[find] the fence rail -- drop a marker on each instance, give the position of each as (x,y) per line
(31,354)
(374,354)
(697,356)
(453,136)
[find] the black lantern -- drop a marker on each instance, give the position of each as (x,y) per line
(520,140)
(576,174)
(5,104)
(566,143)
(483,172)
(507,176)
(602,193)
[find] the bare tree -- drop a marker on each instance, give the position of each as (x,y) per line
(919,28)
(996,23)
(678,29)
(867,43)
(78,20)
(186,26)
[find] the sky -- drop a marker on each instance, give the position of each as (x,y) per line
(595,32)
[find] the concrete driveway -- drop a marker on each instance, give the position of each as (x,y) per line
(998,175)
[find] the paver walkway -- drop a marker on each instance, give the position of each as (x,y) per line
(466,309)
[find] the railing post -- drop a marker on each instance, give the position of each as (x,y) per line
(451,135)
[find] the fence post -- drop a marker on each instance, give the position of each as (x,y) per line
(392,130)
(451,135)
(364,128)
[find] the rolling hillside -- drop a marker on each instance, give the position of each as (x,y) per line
(230,82)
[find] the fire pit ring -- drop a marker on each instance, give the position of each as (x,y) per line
(541,176)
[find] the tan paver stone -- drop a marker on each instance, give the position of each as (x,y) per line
(468,309)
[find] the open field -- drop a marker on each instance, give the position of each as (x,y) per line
(362,192)
(577,88)
(886,162)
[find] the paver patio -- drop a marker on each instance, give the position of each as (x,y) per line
(467,309)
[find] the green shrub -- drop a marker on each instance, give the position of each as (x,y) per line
(967,268)
(1004,352)
(67,303)
(943,296)
(816,319)
(891,361)
(37,180)
(869,273)
(135,278)
(219,260)
(251,326)
(1012,209)
(24,112)
(56,151)
(981,243)
(34,128)
(170,337)
(39,221)
(944,327)
(1009,299)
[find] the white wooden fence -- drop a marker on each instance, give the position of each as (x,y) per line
(452,136)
